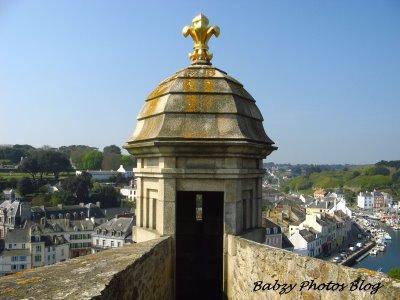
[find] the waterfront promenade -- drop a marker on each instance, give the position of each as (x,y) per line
(352,259)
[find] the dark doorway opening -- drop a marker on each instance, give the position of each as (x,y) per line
(199,245)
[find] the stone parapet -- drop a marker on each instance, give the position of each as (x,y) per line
(138,271)
(255,270)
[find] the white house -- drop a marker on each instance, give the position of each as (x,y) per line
(16,255)
(306,243)
(99,175)
(30,247)
(112,234)
(103,175)
(127,174)
(332,230)
(13,212)
(365,200)
(129,192)
(340,205)
(56,249)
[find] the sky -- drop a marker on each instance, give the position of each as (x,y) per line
(325,74)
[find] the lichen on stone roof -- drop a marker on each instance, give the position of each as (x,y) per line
(200,102)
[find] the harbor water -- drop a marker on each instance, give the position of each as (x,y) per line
(387,260)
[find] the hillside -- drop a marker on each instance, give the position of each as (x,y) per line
(384,176)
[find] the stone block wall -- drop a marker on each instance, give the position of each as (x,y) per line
(138,271)
(254,271)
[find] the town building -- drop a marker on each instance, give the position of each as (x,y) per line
(343,227)
(319,193)
(99,175)
(78,233)
(332,230)
(340,205)
(307,242)
(77,212)
(13,212)
(365,200)
(104,175)
(374,200)
(16,255)
(56,249)
(285,214)
(382,200)
(273,234)
(31,247)
(129,192)
(319,206)
(12,195)
(125,173)
(113,233)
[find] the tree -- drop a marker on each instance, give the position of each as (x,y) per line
(106,195)
(394,273)
(111,161)
(393,163)
(55,199)
(119,179)
(77,153)
(77,187)
(41,161)
(83,187)
(30,165)
(7,183)
(355,174)
(69,149)
(62,197)
(396,176)
(41,199)
(54,162)
(112,149)
(128,161)
(92,160)
(15,152)
(25,186)
(350,196)
(378,170)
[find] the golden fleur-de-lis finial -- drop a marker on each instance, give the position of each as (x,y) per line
(200,33)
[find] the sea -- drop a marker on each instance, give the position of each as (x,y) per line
(384,261)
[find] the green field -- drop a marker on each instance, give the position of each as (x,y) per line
(384,178)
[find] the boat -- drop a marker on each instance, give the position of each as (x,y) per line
(387,236)
(373,252)
(380,240)
(381,248)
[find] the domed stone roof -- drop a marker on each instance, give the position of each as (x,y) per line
(200,102)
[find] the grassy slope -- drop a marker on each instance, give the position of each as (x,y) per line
(354,180)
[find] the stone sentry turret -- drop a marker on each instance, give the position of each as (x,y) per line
(199,143)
